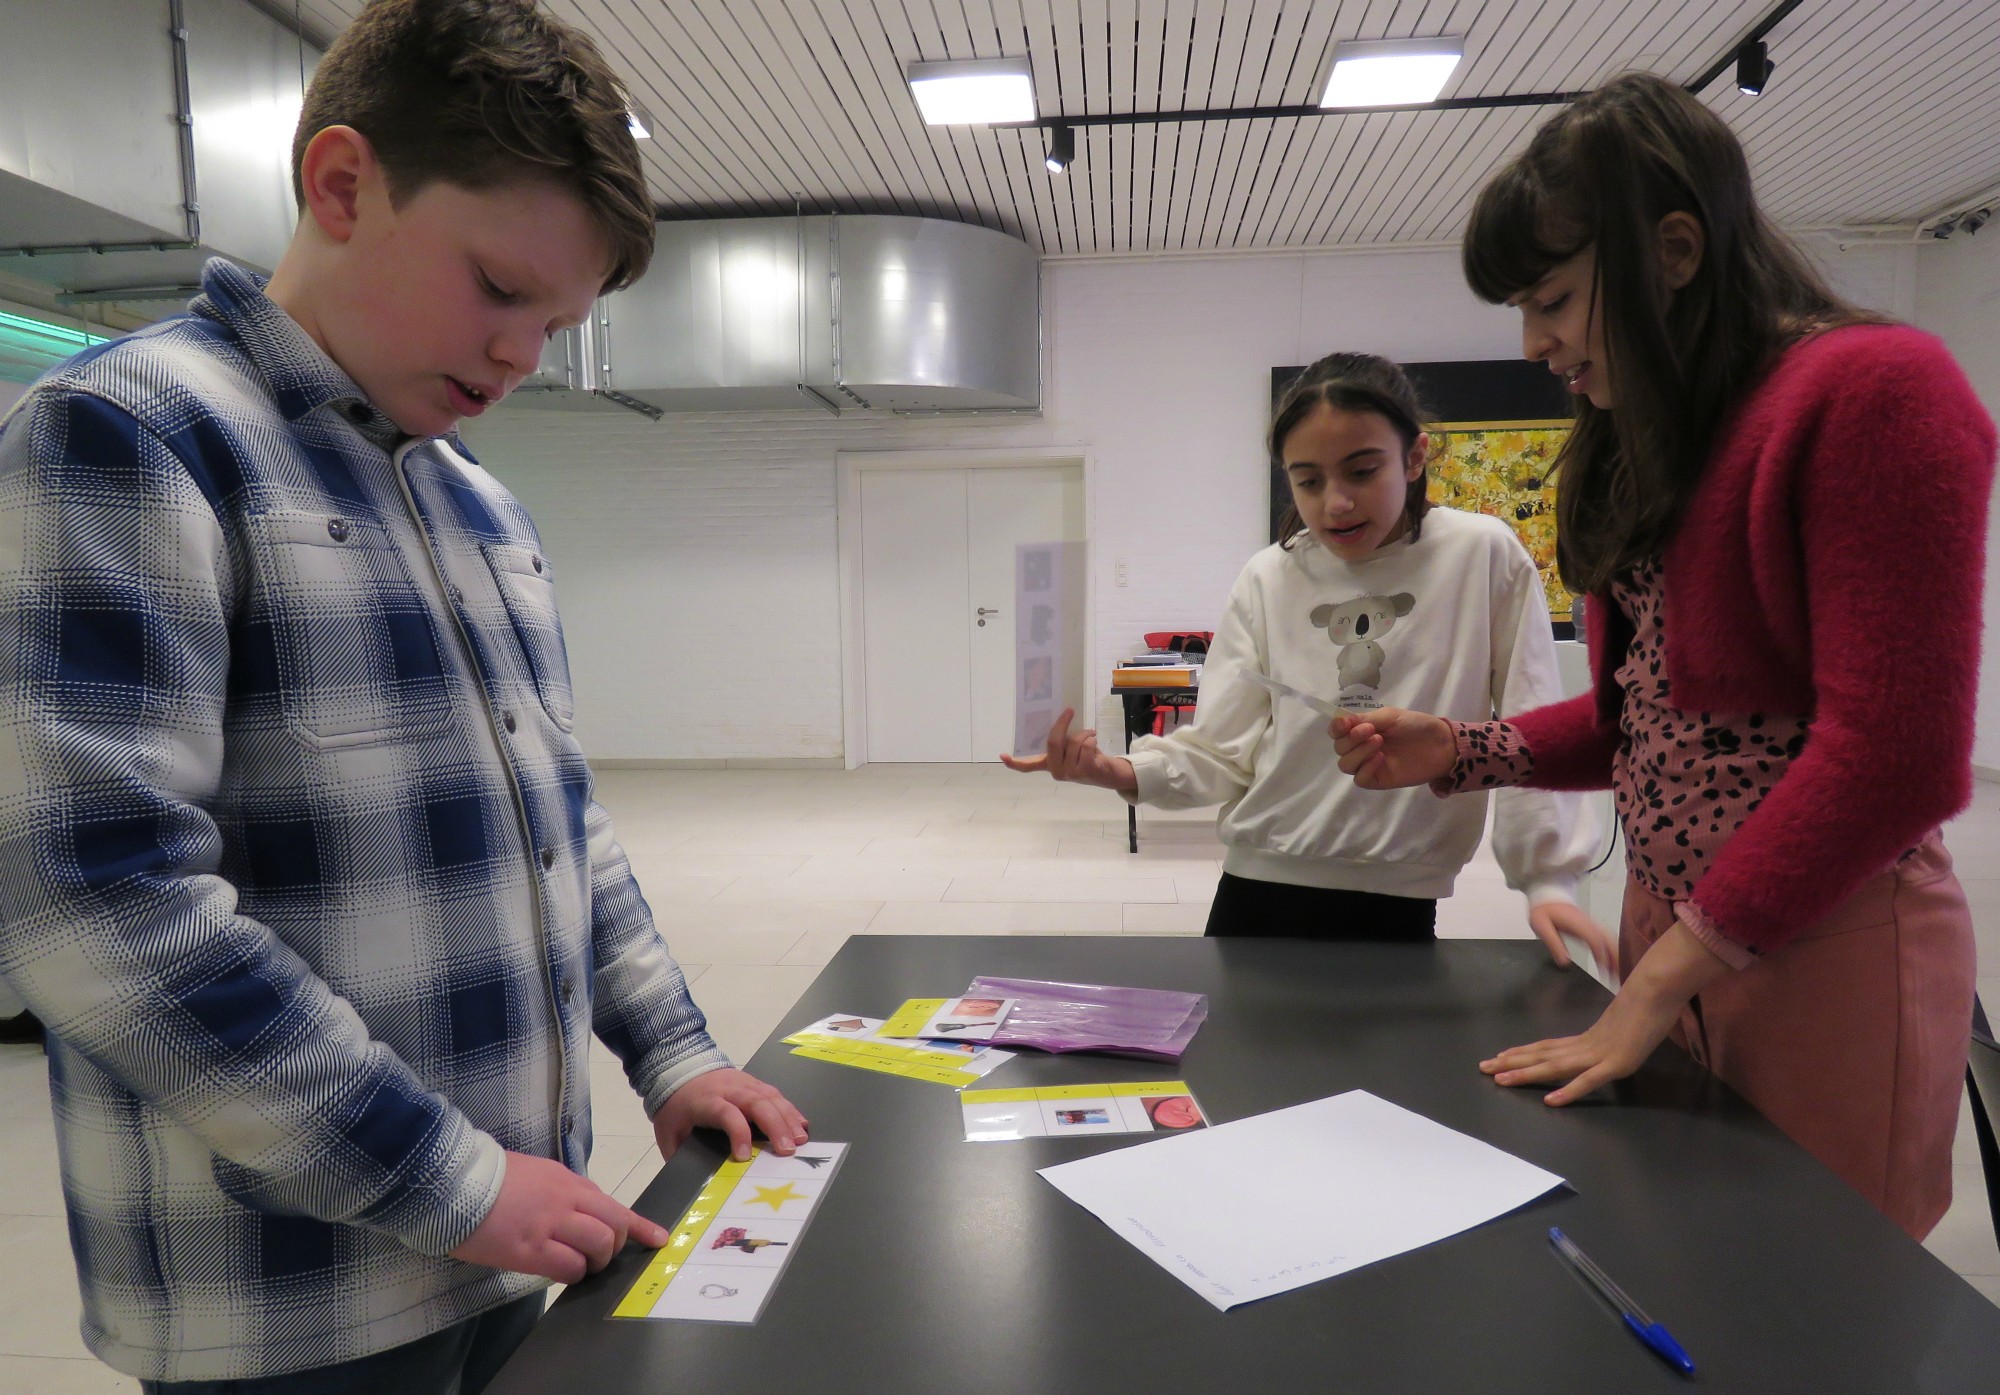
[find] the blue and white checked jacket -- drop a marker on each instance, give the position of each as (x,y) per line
(298,857)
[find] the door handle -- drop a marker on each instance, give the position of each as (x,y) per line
(984,611)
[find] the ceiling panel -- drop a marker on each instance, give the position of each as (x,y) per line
(1880,112)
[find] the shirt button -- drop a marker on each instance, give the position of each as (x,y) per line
(508,718)
(538,564)
(336,528)
(569,993)
(548,858)
(458,595)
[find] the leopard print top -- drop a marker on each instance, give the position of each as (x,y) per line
(1683,781)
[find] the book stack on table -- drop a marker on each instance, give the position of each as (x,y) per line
(1163,668)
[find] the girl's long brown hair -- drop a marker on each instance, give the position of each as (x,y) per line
(1602,174)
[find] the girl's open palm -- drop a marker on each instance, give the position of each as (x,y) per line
(1391,747)
(1076,759)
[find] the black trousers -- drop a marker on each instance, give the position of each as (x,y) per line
(1247,907)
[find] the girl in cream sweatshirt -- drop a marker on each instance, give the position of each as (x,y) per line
(1374,598)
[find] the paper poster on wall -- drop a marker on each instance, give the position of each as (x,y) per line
(1048,639)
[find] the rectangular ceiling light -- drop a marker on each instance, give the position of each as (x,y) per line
(973,91)
(1390,72)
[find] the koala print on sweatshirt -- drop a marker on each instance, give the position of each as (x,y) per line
(1355,627)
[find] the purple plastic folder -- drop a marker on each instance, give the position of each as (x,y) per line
(1151,1023)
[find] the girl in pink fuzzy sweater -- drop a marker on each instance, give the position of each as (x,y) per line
(1777,505)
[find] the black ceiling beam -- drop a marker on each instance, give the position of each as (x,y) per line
(1507,99)
(1150,118)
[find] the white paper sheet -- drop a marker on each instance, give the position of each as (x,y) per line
(1243,1210)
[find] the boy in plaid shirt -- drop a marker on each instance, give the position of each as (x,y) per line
(301,864)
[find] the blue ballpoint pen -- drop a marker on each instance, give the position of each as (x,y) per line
(1643,1327)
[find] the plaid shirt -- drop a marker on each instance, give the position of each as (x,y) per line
(301,863)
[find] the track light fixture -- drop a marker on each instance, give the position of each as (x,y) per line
(1062,148)
(1969,223)
(1753,67)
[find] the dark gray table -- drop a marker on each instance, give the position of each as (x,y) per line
(939,1267)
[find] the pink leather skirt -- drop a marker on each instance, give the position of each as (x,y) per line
(1852,1036)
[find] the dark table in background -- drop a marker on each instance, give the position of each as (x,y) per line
(1138,707)
(940,1267)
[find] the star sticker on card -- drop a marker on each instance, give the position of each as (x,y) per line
(776,1197)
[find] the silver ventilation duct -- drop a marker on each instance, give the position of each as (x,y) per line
(836,312)
(140,137)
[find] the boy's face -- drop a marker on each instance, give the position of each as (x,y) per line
(444,304)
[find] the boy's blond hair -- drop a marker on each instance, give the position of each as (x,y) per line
(484,93)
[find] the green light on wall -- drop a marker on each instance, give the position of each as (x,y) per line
(29,348)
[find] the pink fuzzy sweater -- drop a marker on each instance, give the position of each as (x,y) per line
(1831,564)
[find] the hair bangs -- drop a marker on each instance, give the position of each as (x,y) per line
(1509,243)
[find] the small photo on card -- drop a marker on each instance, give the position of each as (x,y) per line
(811,1160)
(761,1198)
(1172,1113)
(757,1244)
(716,1293)
(968,1019)
(1070,1116)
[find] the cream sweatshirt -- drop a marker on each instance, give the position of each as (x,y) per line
(1454,624)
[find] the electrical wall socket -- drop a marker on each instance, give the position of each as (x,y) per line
(1120,571)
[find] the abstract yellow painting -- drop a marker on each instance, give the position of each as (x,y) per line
(1502,469)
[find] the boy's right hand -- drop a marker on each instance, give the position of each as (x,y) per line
(551,1222)
(1391,747)
(1076,759)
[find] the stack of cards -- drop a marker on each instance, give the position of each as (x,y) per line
(725,1256)
(949,1019)
(849,1040)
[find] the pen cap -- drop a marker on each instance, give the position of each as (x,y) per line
(1662,1341)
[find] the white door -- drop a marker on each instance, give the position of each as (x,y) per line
(937,598)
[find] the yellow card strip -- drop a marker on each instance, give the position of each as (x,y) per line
(909,1019)
(652,1282)
(916,1065)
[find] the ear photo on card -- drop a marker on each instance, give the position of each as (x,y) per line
(1172,1111)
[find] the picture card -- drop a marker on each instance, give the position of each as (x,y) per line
(967,1019)
(1057,1111)
(852,1040)
(723,1259)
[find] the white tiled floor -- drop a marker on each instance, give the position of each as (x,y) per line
(759,876)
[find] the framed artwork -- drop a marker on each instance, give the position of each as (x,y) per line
(1498,427)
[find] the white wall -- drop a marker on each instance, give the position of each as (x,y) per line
(696,558)
(1958,299)
(10,393)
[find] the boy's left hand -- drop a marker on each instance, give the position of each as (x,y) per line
(1553,919)
(733,1101)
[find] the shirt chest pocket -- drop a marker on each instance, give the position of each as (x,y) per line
(338,637)
(526,581)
